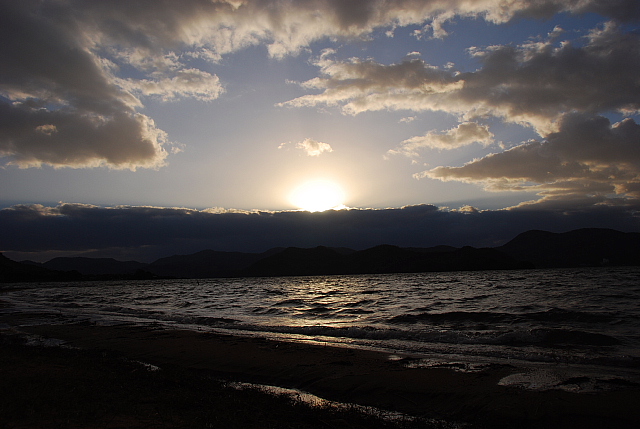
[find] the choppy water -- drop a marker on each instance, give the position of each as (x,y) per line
(588,317)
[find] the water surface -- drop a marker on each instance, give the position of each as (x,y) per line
(587,318)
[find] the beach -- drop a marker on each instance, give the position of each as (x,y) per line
(383,380)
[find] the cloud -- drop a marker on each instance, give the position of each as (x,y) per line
(191,83)
(289,26)
(587,156)
(313,147)
(532,84)
(468,209)
(147,233)
(408,119)
(62,103)
(560,89)
(464,134)
(215,28)
(68,65)
(310,146)
(358,85)
(32,137)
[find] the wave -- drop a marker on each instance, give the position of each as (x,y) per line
(268,311)
(360,303)
(544,316)
(557,315)
(545,338)
(452,316)
(553,337)
(150,298)
(562,315)
(289,303)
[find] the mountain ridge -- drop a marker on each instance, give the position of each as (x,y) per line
(530,249)
(586,246)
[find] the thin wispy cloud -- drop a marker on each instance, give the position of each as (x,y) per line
(464,134)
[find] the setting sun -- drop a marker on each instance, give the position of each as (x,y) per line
(318,195)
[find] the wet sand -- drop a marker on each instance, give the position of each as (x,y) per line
(362,377)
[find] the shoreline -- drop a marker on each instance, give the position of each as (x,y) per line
(369,378)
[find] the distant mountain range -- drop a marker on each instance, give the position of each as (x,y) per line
(532,249)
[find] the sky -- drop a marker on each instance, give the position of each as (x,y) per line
(138,129)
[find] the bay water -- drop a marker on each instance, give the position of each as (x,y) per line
(576,329)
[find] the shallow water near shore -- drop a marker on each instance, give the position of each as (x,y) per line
(576,329)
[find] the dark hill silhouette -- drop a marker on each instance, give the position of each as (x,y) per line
(583,247)
(207,263)
(472,259)
(11,271)
(94,266)
(384,259)
(381,259)
(434,249)
(294,261)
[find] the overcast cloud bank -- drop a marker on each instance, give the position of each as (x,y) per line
(147,233)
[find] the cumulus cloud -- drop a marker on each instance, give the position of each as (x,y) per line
(313,147)
(310,146)
(214,28)
(532,84)
(561,89)
(468,209)
(62,103)
(62,65)
(32,137)
(210,29)
(587,156)
(464,134)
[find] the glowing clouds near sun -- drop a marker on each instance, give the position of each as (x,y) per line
(310,146)
(318,195)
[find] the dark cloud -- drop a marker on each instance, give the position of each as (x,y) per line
(66,139)
(286,27)
(62,104)
(538,82)
(621,10)
(535,83)
(561,89)
(146,233)
(588,156)
(61,62)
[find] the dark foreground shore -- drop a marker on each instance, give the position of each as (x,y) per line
(95,387)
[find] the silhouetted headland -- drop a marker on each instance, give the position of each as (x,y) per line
(532,249)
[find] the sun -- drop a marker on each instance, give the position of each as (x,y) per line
(318,196)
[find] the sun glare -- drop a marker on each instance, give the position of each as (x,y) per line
(318,196)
